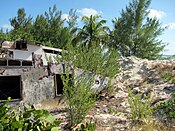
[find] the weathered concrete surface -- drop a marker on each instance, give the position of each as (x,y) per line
(38,84)
(100,82)
(26,73)
(36,91)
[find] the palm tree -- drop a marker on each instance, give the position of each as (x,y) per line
(93,31)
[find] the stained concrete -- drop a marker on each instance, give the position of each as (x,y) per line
(38,84)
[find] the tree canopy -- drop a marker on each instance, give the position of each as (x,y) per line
(22,26)
(135,33)
(93,30)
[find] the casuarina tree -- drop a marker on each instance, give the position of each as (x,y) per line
(137,34)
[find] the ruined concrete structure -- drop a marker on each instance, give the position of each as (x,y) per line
(26,76)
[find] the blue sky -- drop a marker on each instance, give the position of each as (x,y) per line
(109,9)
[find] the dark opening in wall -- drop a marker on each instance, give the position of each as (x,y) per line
(3,62)
(10,86)
(27,63)
(18,45)
(21,45)
(59,83)
(14,63)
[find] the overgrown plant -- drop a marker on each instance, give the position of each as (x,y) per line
(151,124)
(168,76)
(86,127)
(167,108)
(96,59)
(80,98)
(140,108)
(26,119)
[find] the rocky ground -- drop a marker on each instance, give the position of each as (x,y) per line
(112,110)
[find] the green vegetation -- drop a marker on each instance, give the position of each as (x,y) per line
(135,33)
(93,31)
(94,59)
(168,76)
(80,98)
(167,107)
(77,90)
(95,49)
(113,111)
(86,127)
(151,125)
(3,36)
(140,108)
(22,26)
(142,114)
(25,119)
(47,28)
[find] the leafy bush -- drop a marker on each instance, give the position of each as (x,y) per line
(86,127)
(168,76)
(168,107)
(80,98)
(113,111)
(140,108)
(95,59)
(26,119)
(151,124)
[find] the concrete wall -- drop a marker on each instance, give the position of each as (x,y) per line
(36,91)
(27,54)
(47,56)
(37,85)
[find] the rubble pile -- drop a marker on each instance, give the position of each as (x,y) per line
(140,76)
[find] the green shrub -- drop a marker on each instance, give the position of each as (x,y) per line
(113,111)
(168,76)
(80,98)
(173,80)
(167,108)
(86,127)
(95,59)
(140,108)
(26,119)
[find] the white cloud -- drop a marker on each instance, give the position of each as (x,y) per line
(170,26)
(89,11)
(7,26)
(156,13)
(169,49)
(65,16)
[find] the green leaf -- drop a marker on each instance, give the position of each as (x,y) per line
(17,118)
(16,125)
(54,129)
(9,98)
(48,118)
(1,127)
(4,120)
(56,122)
